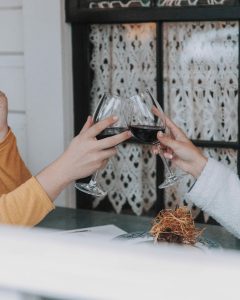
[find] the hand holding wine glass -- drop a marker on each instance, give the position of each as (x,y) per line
(183,153)
(145,121)
(108,136)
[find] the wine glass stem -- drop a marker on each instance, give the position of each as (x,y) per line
(169,171)
(166,165)
(93,181)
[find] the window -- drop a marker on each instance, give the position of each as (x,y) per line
(191,66)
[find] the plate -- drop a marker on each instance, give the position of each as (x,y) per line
(145,237)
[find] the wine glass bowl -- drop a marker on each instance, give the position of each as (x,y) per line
(145,120)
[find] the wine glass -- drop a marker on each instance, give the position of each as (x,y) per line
(108,105)
(144,121)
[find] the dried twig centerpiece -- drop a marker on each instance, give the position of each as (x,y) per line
(175,226)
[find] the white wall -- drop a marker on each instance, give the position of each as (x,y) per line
(35,73)
(12,67)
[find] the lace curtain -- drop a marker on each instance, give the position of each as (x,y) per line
(124,62)
(148,3)
(200,95)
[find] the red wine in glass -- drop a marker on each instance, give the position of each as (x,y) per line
(111,131)
(146,133)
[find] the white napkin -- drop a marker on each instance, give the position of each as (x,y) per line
(105,232)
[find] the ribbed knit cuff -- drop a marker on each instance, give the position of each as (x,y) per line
(207,185)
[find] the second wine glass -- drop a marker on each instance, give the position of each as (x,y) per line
(109,105)
(144,121)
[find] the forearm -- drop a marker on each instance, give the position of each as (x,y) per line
(26,205)
(217,192)
(54,179)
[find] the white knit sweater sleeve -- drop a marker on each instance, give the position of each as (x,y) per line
(217,192)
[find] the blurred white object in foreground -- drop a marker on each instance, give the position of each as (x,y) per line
(41,262)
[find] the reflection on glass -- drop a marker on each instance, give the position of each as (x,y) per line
(201,78)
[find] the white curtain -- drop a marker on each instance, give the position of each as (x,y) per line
(124,62)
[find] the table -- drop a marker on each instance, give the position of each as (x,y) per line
(67,218)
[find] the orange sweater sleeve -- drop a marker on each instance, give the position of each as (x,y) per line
(22,199)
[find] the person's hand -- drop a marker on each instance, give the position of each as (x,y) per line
(86,154)
(3,116)
(82,158)
(183,153)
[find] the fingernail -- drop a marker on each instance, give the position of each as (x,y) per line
(168,155)
(160,133)
(115,118)
(129,133)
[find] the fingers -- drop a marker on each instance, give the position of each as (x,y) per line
(104,163)
(156,112)
(167,141)
(101,125)
(176,131)
(155,149)
(168,155)
(3,99)
(106,154)
(114,140)
(87,124)
(3,115)
(2,95)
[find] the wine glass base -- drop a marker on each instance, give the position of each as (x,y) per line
(171,180)
(90,189)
